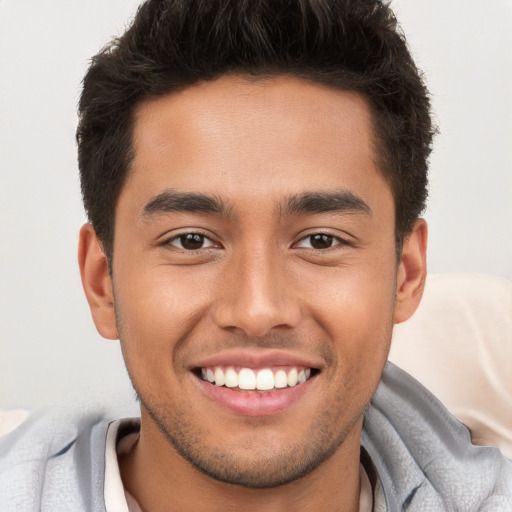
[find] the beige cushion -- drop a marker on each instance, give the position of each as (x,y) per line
(459,345)
(9,420)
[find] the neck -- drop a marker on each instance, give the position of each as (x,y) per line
(161,480)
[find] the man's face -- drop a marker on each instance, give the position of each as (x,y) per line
(254,236)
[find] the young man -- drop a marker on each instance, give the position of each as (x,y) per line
(254,173)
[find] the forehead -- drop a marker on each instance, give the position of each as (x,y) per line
(251,137)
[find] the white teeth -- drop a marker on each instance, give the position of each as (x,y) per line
(265,380)
(248,379)
(292,377)
(280,379)
(219,377)
(231,378)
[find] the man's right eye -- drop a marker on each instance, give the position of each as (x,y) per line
(191,242)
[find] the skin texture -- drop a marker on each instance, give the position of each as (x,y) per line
(256,284)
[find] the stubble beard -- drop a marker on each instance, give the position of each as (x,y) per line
(258,467)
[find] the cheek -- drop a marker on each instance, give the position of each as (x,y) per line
(352,300)
(156,312)
(360,327)
(355,310)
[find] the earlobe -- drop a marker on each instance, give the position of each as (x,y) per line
(97,282)
(412,272)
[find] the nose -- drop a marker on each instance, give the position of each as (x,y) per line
(256,295)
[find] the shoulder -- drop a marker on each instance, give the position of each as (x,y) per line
(55,461)
(424,457)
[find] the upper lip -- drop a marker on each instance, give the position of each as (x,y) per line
(258,358)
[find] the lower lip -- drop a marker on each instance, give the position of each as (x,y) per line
(257,403)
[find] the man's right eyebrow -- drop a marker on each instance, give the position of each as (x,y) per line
(171,200)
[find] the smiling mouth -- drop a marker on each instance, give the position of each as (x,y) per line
(255,380)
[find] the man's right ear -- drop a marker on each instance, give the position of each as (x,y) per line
(97,282)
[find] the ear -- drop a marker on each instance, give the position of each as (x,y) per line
(412,272)
(97,282)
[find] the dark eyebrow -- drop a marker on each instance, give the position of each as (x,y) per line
(341,201)
(174,201)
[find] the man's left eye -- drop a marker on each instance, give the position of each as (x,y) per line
(191,242)
(319,241)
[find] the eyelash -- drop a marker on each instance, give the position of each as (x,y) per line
(336,241)
(204,237)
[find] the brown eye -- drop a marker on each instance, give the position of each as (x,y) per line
(191,242)
(319,241)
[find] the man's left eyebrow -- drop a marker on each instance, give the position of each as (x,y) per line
(342,201)
(171,200)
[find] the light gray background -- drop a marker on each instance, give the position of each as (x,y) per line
(49,347)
